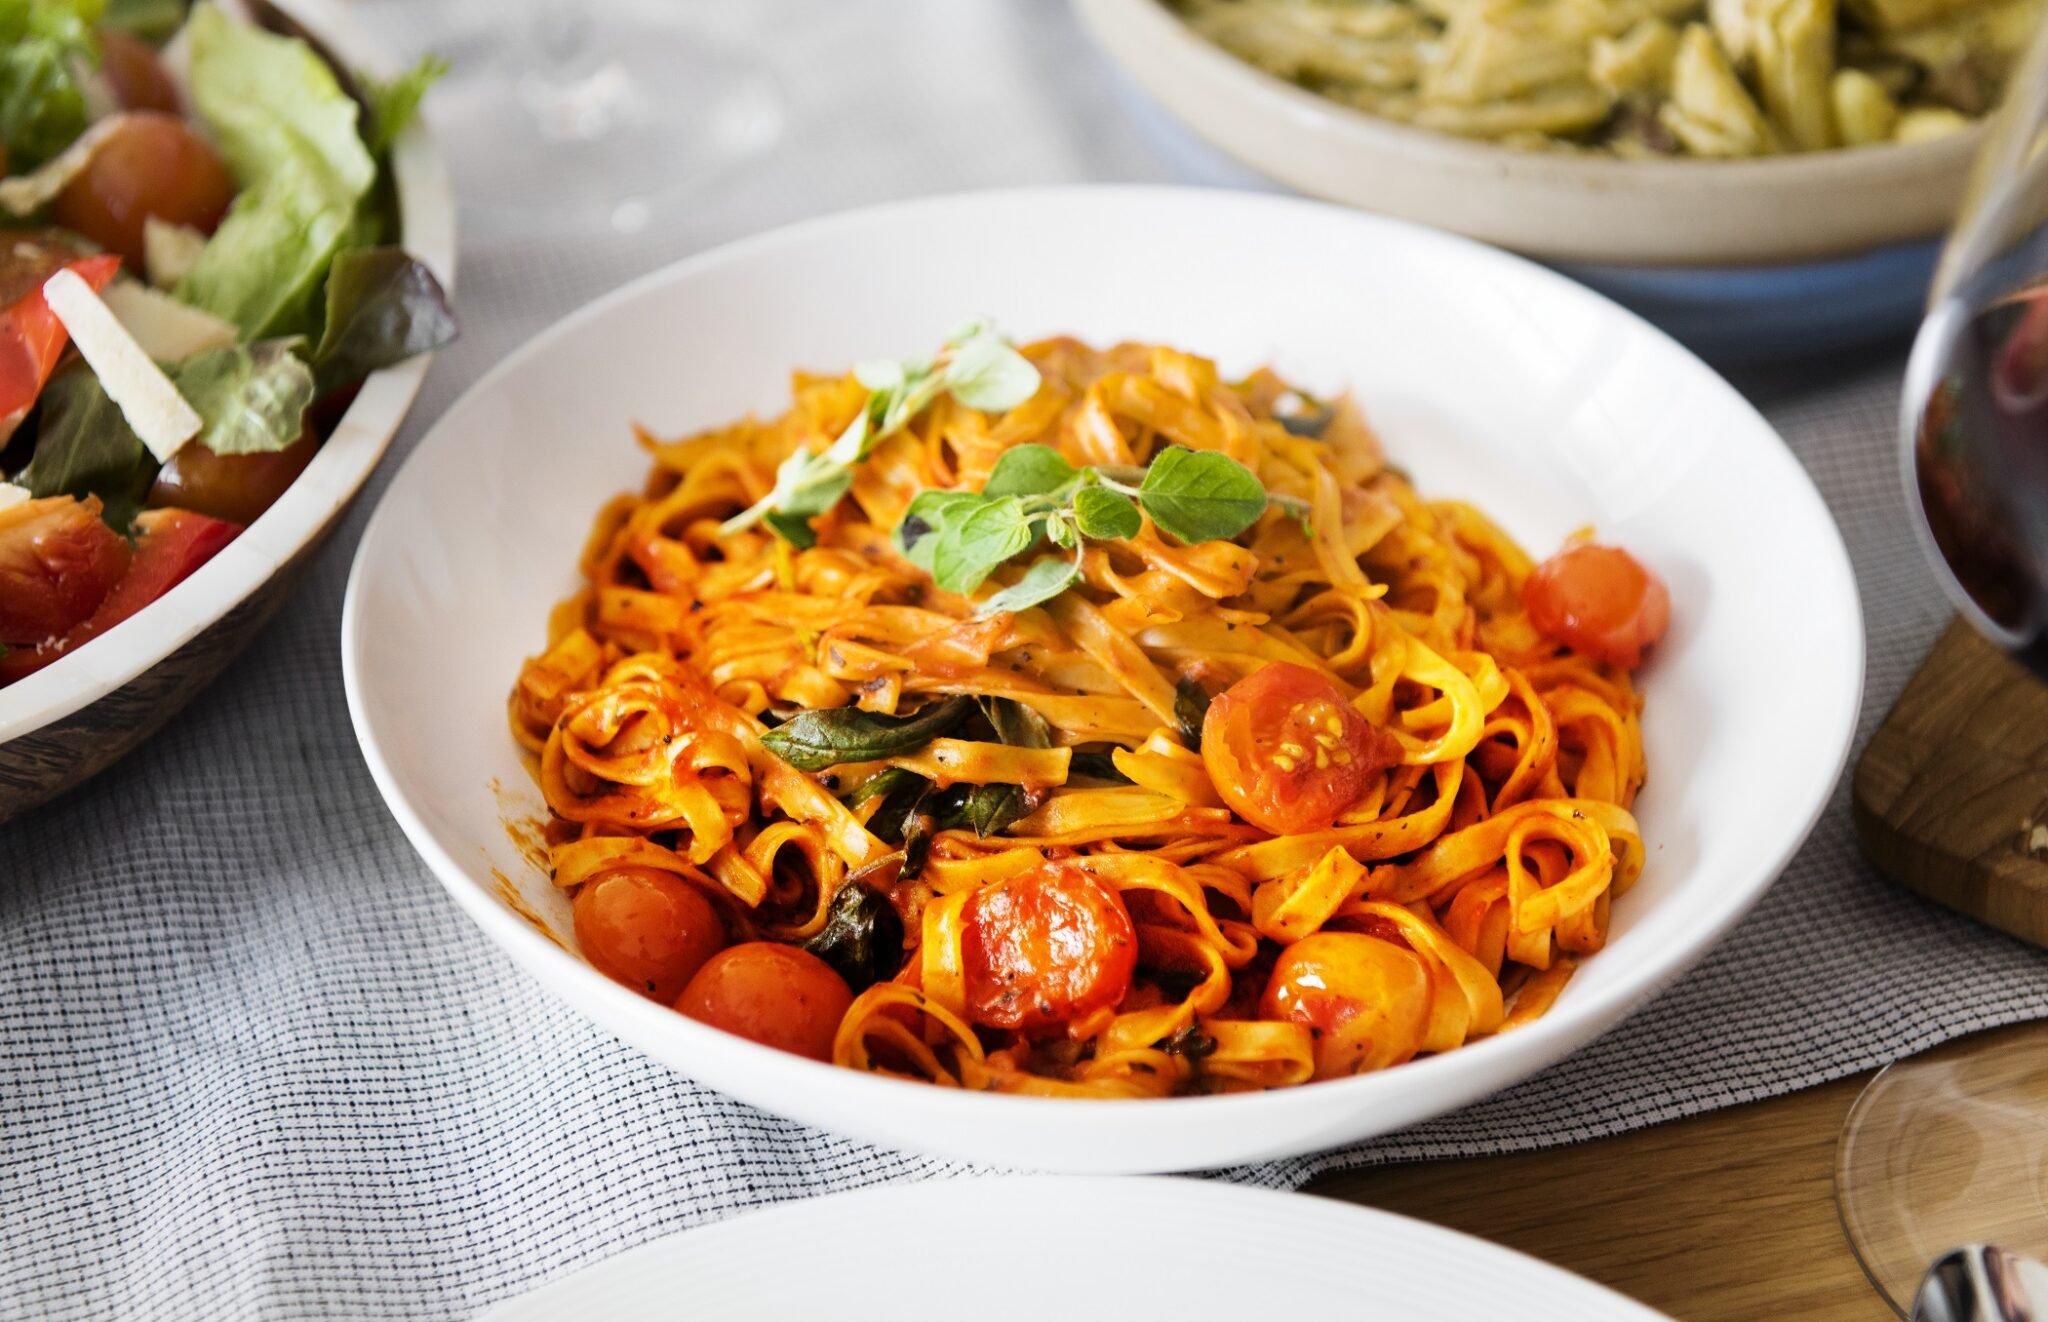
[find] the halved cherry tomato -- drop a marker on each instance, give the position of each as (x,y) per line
(170,544)
(235,487)
(1045,947)
(1287,752)
(1365,1000)
(58,561)
(1599,600)
(137,75)
(31,337)
(780,996)
(153,165)
(648,929)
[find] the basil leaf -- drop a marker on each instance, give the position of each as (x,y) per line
(396,103)
(1060,527)
(1190,709)
(819,740)
(1030,470)
(1017,724)
(972,546)
(987,374)
(1100,512)
(1046,579)
(383,306)
(862,938)
(993,809)
(886,781)
(1201,495)
(941,810)
(253,397)
(1096,766)
(892,819)
(84,447)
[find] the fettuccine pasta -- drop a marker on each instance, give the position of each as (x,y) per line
(1138,813)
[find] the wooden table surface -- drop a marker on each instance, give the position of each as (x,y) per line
(1729,1215)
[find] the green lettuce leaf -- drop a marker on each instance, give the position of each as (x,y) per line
(288,133)
(84,447)
(394,104)
(383,306)
(41,105)
(253,397)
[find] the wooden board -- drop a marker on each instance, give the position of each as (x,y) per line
(1952,793)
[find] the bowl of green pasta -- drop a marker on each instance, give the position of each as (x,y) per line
(1638,135)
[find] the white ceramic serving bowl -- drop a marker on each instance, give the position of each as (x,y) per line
(1554,205)
(74,717)
(1489,378)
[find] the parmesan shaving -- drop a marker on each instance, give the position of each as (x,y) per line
(146,397)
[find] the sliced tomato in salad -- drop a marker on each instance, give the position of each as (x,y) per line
(58,562)
(169,546)
(31,337)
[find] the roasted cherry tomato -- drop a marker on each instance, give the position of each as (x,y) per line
(777,995)
(1365,1000)
(169,545)
(153,165)
(1045,947)
(58,562)
(136,74)
(31,337)
(1599,600)
(1287,752)
(235,487)
(648,929)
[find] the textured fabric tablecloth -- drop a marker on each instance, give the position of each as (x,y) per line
(253,1064)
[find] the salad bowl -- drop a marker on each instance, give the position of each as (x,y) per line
(79,714)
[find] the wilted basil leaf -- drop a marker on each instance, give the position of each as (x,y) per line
(85,447)
(383,307)
(818,740)
(1190,709)
(991,809)
(862,938)
(1096,766)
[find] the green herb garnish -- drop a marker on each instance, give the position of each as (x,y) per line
(977,366)
(823,739)
(1033,495)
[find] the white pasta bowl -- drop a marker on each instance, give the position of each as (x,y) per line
(76,716)
(1489,379)
(1555,205)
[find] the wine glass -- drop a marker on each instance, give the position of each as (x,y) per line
(1951,1147)
(578,114)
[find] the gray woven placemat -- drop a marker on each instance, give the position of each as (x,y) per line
(253,1064)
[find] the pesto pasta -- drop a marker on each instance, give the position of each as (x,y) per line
(1641,78)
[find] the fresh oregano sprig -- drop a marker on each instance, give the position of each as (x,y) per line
(977,366)
(1033,494)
